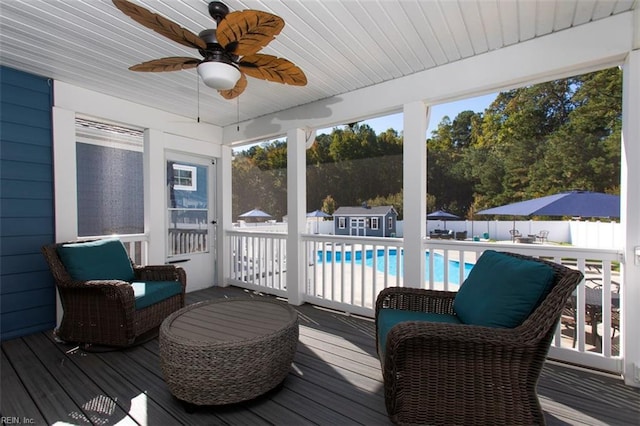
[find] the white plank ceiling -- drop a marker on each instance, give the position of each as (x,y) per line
(341,45)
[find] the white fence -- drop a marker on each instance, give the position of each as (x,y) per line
(576,233)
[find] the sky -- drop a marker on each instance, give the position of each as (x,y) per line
(451,109)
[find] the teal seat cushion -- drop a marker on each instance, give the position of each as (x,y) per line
(97,260)
(502,291)
(148,293)
(387,318)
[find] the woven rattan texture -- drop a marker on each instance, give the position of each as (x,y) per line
(102,312)
(437,373)
(209,372)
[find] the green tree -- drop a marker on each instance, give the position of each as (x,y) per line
(584,153)
(447,179)
(329,205)
(526,120)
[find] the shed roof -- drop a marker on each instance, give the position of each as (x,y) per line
(363,211)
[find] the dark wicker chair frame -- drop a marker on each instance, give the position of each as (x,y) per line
(102,312)
(439,373)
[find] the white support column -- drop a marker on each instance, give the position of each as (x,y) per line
(65,179)
(630,217)
(224,219)
(415,192)
(154,202)
(296,213)
(65,182)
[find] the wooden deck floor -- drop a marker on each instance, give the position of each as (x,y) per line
(335,380)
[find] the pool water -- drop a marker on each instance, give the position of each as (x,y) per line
(438,263)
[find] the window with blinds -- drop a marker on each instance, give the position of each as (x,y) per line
(110,178)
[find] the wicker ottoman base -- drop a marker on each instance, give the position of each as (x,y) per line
(226,351)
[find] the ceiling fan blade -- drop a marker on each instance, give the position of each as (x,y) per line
(272,68)
(160,24)
(246,32)
(237,90)
(174,63)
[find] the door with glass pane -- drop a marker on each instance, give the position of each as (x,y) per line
(190,218)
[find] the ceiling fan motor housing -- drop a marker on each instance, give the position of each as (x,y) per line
(215,51)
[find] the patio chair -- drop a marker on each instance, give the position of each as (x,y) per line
(461,236)
(615,323)
(447,234)
(542,236)
(569,319)
(592,315)
(106,299)
(514,234)
(475,356)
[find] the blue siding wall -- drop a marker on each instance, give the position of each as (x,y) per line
(27,290)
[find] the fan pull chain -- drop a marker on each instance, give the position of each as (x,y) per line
(237,114)
(198,90)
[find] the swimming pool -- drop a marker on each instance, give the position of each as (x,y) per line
(327,256)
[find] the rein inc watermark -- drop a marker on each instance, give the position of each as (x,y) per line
(17,420)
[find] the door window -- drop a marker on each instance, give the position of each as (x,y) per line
(188,208)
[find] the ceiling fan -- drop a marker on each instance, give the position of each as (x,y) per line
(230,52)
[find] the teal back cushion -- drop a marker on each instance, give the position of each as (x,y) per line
(387,318)
(502,291)
(97,260)
(148,293)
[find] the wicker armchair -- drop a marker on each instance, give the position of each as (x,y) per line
(441,373)
(103,311)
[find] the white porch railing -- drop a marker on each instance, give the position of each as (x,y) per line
(347,273)
(183,240)
(258,261)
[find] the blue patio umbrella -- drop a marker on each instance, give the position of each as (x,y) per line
(318,214)
(255,215)
(570,203)
(442,215)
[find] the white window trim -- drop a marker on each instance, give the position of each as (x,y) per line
(194,178)
(375,223)
(342,222)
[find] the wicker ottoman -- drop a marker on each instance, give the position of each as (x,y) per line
(228,350)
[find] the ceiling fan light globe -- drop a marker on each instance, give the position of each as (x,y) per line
(219,75)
